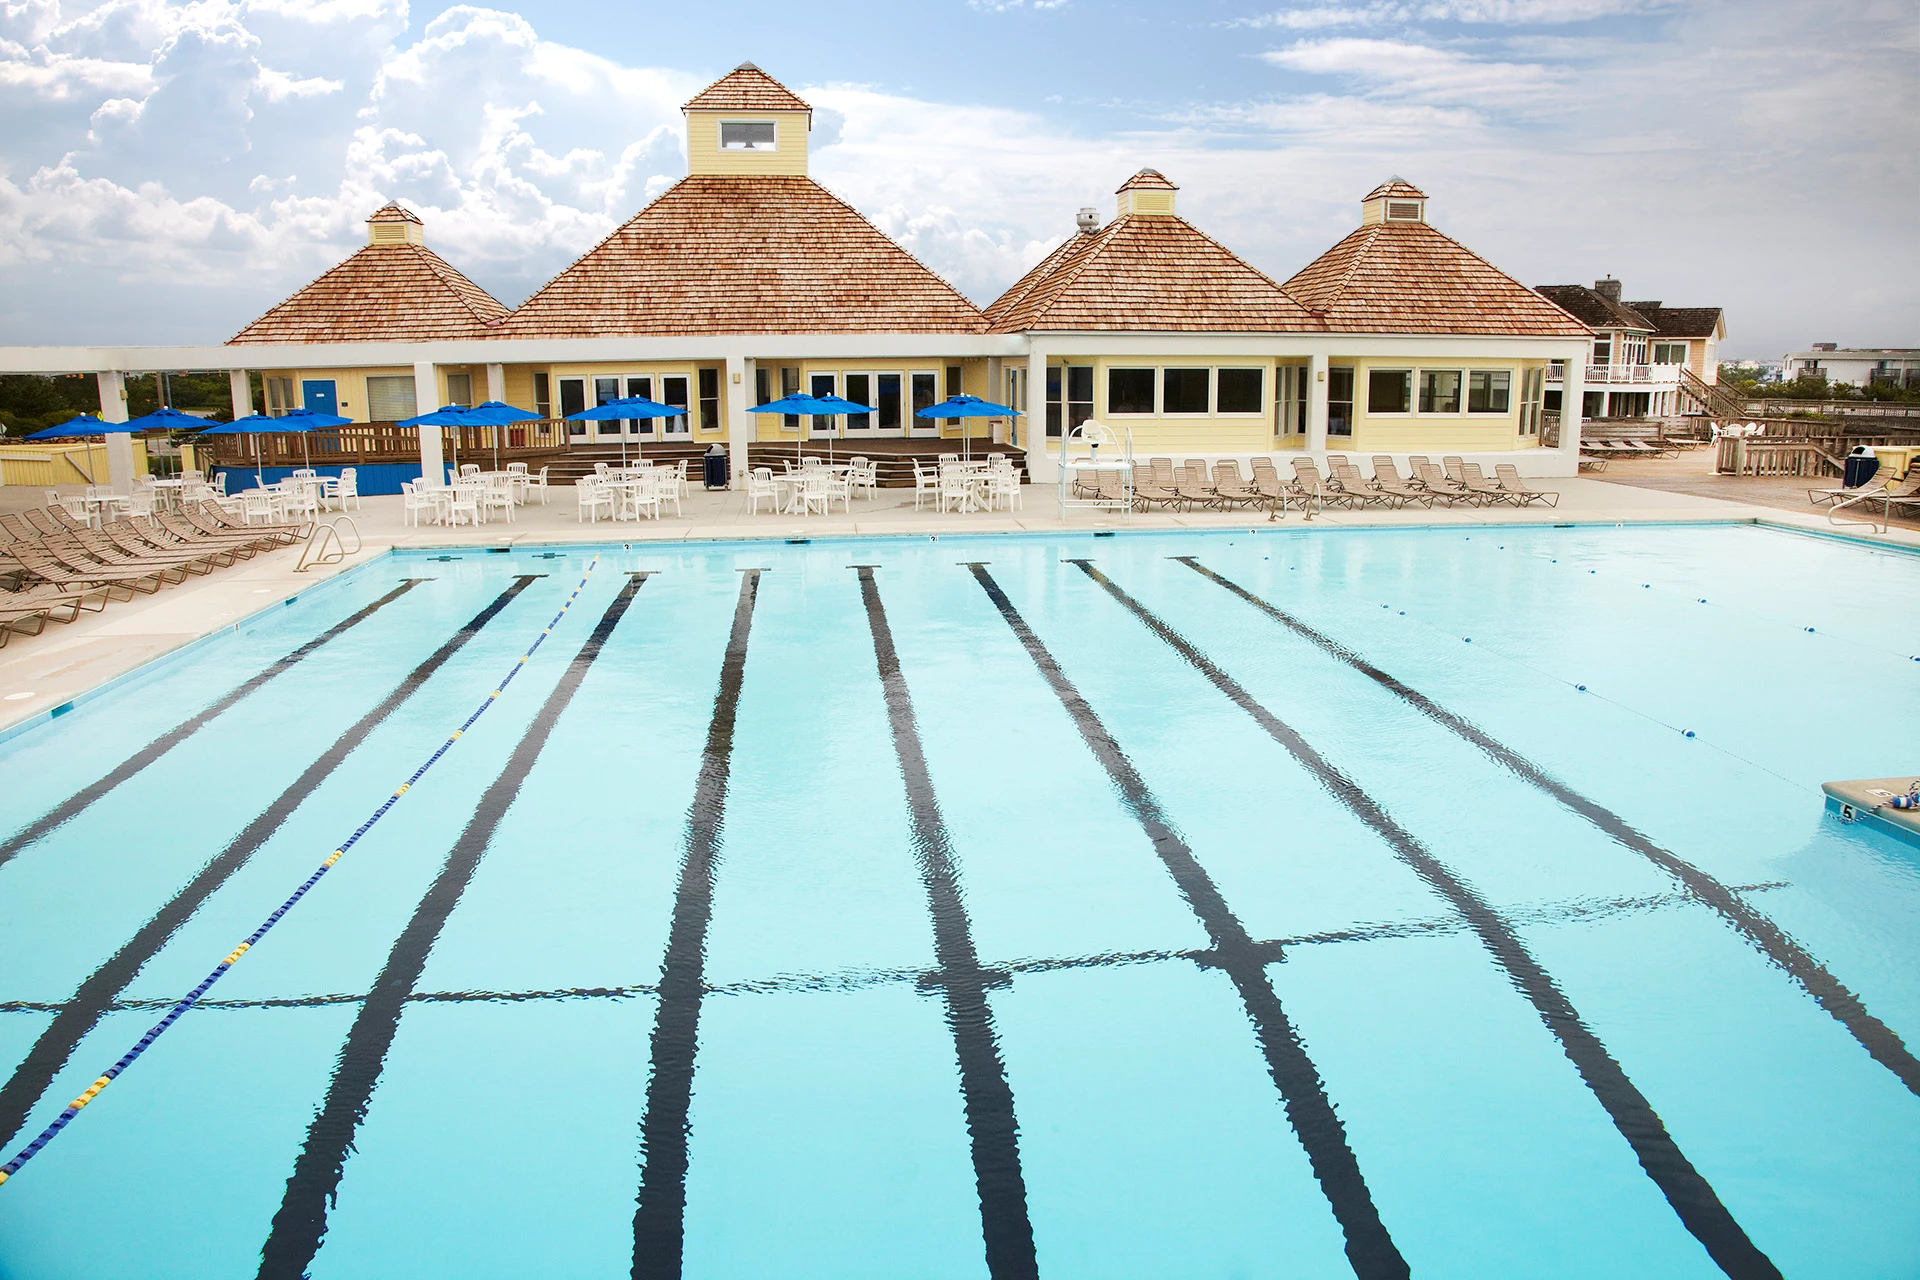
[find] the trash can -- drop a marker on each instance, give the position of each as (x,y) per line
(714,467)
(1860,467)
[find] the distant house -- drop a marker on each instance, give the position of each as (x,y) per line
(1856,366)
(1643,353)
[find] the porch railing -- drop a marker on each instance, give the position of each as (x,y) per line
(371,443)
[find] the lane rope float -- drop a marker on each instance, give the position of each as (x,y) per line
(193,997)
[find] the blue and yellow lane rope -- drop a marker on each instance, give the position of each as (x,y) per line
(193,997)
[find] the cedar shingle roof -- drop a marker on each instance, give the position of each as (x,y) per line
(392,211)
(746,88)
(1152,274)
(1679,322)
(1593,308)
(744,255)
(1406,277)
(1146,178)
(1395,186)
(383,293)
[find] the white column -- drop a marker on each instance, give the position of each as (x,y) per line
(996,387)
(1573,397)
(496,382)
(426,398)
(1317,403)
(739,393)
(241,389)
(113,408)
(1033,424)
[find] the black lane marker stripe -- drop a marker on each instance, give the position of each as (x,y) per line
(659,1216)
(1370,1249)
(1875,1036)
(99,992)
(1691,1196)
(301,1221)
(1274,949)
(961,978)
(67,809)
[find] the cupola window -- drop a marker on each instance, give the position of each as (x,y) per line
(747,135)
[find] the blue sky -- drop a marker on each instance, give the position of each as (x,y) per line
(170,170)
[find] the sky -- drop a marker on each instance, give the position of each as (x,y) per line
(168,171)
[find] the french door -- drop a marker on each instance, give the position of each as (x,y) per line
(821,427)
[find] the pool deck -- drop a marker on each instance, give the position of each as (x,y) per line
(69,661)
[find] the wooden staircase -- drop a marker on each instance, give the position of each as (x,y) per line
(1711,399)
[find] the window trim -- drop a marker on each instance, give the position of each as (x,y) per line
(720,136)
(1459,392)
(1153,393)
(1160,391)
(1466,397)
(1406,373)
(1259,409)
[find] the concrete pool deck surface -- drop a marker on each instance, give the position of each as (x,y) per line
(41,673)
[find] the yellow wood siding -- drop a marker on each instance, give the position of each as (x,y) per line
(788,157)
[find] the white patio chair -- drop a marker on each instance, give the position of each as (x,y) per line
(220,483)
(538,483)
(497,495)
(1003,483)
(760,485)
(840,489)
(591,496)
(347,488)
(667,488)
(955,490)
(925,484)
(413,501)
(468,469)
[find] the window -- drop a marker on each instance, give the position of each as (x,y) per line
(1242,390)
(1186,390)
(642,388)
(573,398)
(390,399)
(1079,394)
(709,399)
(1669,353)
(887,400)
(859,388)
(790,386)
(1129,391)
(673,391)
(762,384)
(953,389)
(1053,401)
(920,387)
(460,389)
(543,395)
(1603,350)
(1340,398)
(1489,390)
(1532,383)
(821,384)
(1389,390)
(1636,350)
(747,135)
(1439,391)
(280,396)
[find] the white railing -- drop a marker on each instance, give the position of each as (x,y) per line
(1611,374)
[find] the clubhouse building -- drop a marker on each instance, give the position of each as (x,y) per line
(747,280)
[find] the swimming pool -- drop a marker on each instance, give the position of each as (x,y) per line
(1281,904)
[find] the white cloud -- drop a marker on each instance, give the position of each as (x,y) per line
(1380,13)
(1403,69)
(278,86)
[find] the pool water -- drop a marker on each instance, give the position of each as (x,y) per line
(1279,904)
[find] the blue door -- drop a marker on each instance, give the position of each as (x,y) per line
(318,396)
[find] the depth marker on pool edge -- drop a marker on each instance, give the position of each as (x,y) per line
(1370,1248)
(1693,1198)
(98,993)
(1878,1039)
(963,981)
(192,998)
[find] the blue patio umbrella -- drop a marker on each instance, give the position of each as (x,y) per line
(299,421)
(966,407)
(812,407)
(84,425)
(167,419)
(624,409)
(496,414)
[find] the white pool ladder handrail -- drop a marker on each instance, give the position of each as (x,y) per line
(324,544)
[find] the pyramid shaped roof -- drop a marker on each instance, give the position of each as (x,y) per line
(1146,273)
(746,88)
(766,254)
(383,293)
(1406,277)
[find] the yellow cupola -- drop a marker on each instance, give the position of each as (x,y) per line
(747,124)
(1147,193)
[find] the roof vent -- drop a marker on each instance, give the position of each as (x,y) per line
(1395,200)
(1608,288)
(1826,346)
(1147,192)
(746,66)
(1088,221)
(391,224)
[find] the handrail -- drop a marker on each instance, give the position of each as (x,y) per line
(316,551)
